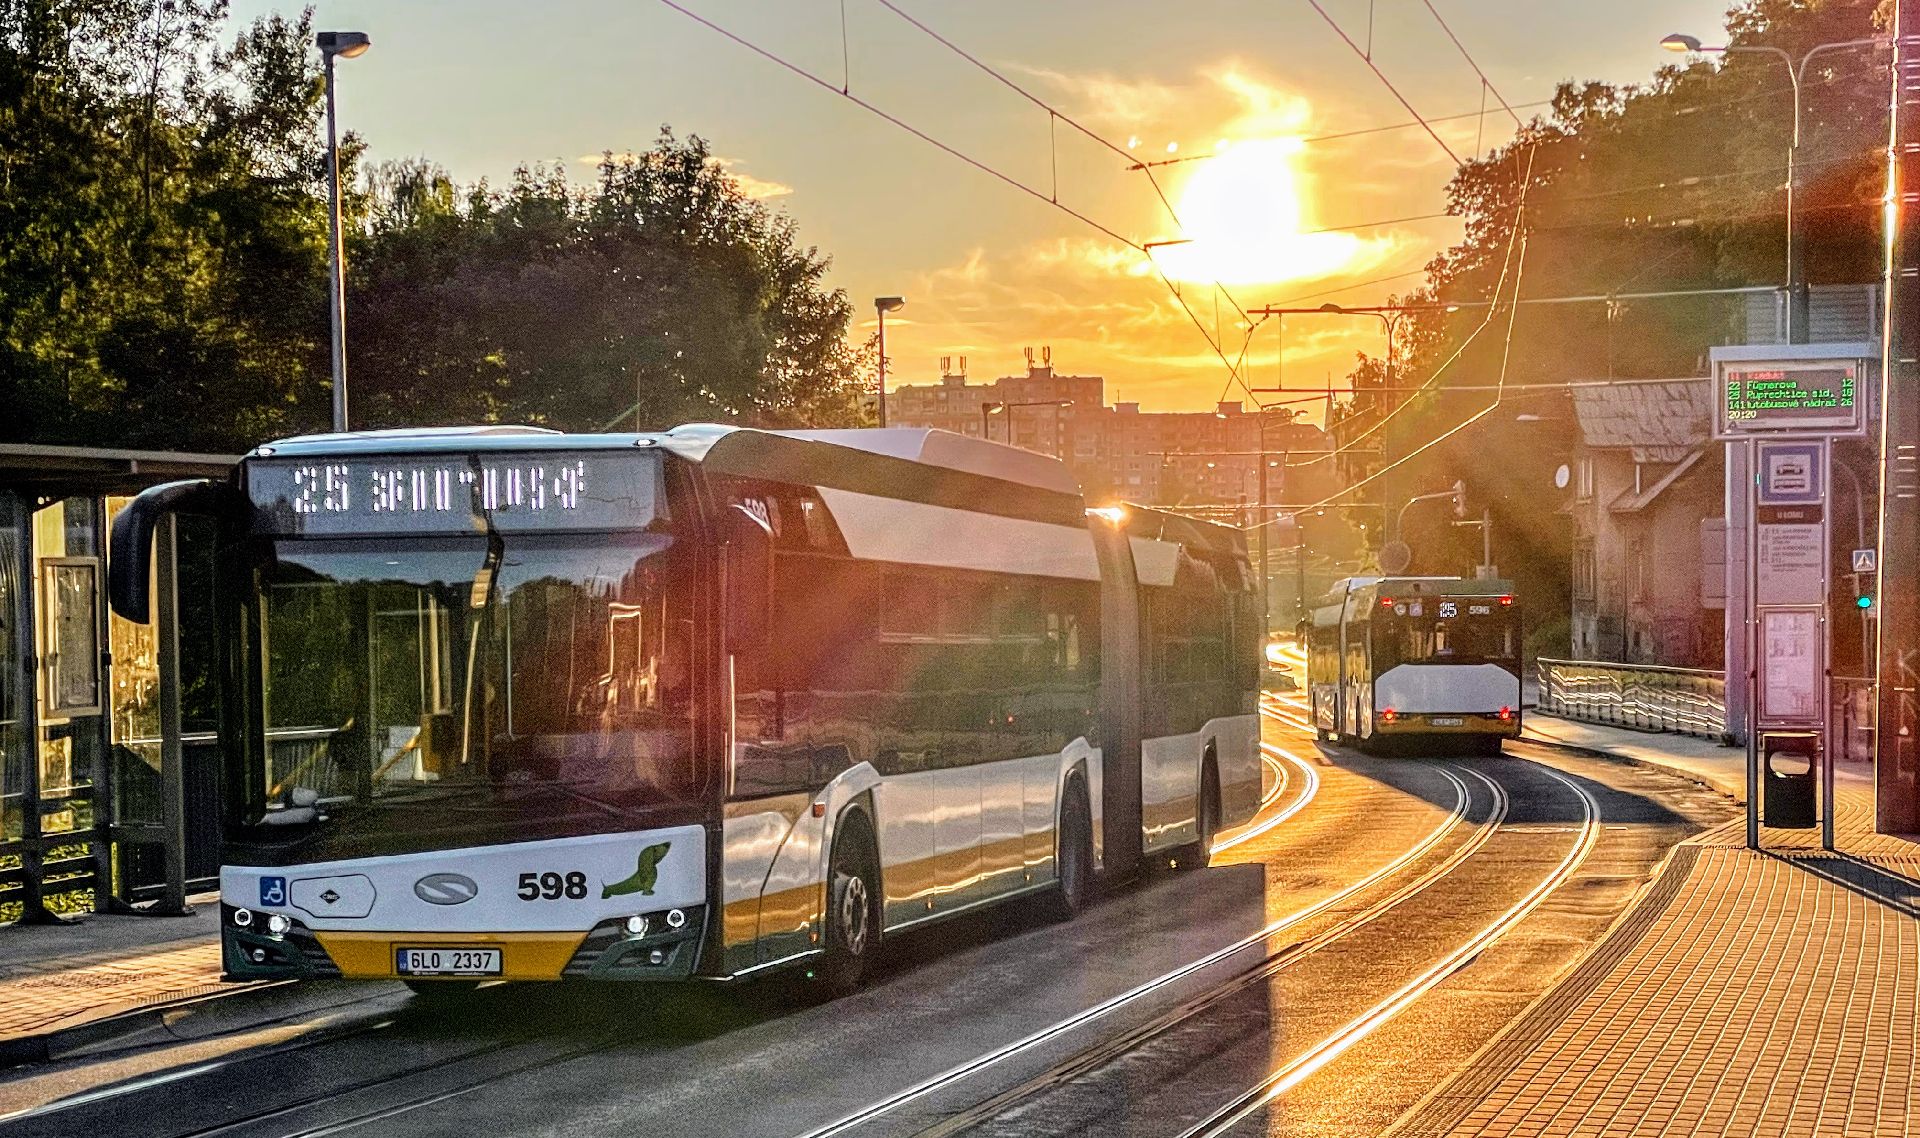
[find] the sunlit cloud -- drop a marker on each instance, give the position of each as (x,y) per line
(1106,99)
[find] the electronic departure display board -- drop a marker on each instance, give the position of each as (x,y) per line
(1767,397)
(549,491)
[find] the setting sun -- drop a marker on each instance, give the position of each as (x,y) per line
(1243,214)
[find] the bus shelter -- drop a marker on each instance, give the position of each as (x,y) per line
(109,777)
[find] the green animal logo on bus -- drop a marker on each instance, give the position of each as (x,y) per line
(645,875)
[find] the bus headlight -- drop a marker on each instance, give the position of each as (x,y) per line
(636,926)
(243,917)
(278,925)
(675,918)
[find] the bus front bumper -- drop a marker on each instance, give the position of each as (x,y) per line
(608,951)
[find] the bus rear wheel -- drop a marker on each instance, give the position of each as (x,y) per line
(853,910)
(1074,859)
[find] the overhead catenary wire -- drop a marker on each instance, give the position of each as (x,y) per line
(983,167)
(1515,235)
(1056,115)
(1371,66)
(1486,84)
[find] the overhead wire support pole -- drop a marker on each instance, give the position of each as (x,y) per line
(1896,767)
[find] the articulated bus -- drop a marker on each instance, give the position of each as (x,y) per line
(1433,660)
(504,703)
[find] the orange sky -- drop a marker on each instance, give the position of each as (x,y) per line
(488,84)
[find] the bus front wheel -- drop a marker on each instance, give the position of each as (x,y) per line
(853,910)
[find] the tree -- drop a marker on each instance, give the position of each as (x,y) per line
(163,234)
(158,234)
(658,294)
(1673,185)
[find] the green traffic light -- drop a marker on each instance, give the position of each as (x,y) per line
(1864,602)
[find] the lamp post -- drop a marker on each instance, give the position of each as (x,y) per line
(1006,411)
(1796,72)
(345,45)
(884,305)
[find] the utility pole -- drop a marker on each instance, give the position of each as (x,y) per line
(1896,768)
(1266,566)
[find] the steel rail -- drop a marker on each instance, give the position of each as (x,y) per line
(1106,1052)
(1298,1069)
(974,1066)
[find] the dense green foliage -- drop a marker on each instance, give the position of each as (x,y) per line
(163,260)
(1676,184)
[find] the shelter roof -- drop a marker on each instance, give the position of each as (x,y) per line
(101,470)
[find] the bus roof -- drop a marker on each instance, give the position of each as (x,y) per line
(865,460)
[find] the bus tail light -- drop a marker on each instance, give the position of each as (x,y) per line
(1386,602)
(1389,715)
(1506,602)
(1506,713)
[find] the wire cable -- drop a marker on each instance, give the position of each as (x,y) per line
(1431,133)
(1055,114)
(985,168)
(1486,83)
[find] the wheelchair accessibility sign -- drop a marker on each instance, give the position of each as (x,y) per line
(273,891)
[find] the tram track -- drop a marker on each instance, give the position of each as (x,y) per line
(400,1092)
(979,1064)
(1296,1070)
(1273,965)
(1225,1117)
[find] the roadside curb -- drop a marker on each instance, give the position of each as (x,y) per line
(158,1014)
(1634,761)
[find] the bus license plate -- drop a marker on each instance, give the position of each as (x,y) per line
(1448,721)
(447,961)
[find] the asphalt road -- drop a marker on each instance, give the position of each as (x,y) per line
(1002,1025)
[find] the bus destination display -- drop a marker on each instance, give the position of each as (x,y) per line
(1775,397)
(453,494)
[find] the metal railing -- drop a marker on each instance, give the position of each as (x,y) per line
(1686,701)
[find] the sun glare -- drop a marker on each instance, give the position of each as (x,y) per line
(1242,214)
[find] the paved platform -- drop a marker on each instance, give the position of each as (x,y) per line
(1770,992)
(56,978)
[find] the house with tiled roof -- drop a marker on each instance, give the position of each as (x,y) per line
(1648,536)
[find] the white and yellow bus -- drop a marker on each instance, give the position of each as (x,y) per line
(1432,661)
(504,703)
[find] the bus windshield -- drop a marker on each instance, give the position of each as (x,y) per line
(449,691)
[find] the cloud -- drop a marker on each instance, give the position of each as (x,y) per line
(1109,99)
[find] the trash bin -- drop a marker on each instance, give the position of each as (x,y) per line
(1789,762)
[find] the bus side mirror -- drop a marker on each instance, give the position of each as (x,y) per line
(748,567)
(130,548)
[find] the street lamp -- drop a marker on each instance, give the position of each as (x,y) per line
(884,305)
(346,45)
(1796,72)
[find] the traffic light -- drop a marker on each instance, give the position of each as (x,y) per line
(1459,498)
(1863,602)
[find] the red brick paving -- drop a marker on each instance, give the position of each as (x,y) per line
(45,997)
(1769,999)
